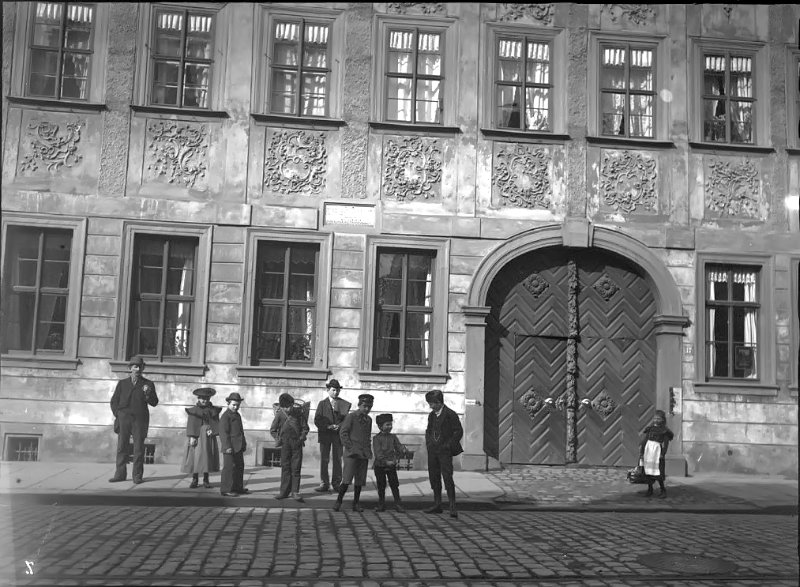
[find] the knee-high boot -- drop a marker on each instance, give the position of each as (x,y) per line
(342,490)
(356,496)
(451,499)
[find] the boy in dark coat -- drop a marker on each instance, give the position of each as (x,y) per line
(231,435)
(387,451)
(290,429)
(129,404)
(328,417)
(443,440)
(202,428)
(355,431)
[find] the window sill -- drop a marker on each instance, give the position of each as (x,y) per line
(52,104)
(197,112)
(422,129)
(497,133)
(713,147)
(793,391)
(793,151)
(283,372)
(403,377)
(736,388)
(162,368)
(628,142)
(310,121)
(37,362)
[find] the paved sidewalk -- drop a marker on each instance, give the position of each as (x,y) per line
(514,488)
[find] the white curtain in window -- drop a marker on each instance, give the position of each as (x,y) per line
(714,277)
(48,11)
(170,22)
(80,14)
(748,280)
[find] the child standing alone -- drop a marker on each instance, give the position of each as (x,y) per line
(202,428)
(387,451)
(655,440)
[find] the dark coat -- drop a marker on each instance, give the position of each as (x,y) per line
(355,433)
(325,416)
(443,434)
(134,399)
(231,432)
(199,416)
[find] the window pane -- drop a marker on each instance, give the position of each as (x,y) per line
(641,70)
(146,342)
(741,77)
(417,345)
(267,339)
(509,57)
(198,47)
(428,101)
(77,38)
(400,52)
(301,328)
(641,109)
(180,273)
(390,279)
(166,75)
(744,285)
(177,328)
(398,102)
(718,360)
(537,111)
(283,97)
(508,109)
(47,24)
(315,49)
(429,60)
(270,276)
(302,276)
(613,68)
(387,335)
(75,76)
(613,109)
(314,94)
(195,84)
(51,321)
(169,34)
(714,120)
(147,314)
(20,313)
(150,263)
(741,122)
(285,54)
(538,70)
(44,71)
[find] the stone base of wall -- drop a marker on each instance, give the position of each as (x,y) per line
(742,459)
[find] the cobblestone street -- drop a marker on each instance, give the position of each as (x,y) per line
(126,545)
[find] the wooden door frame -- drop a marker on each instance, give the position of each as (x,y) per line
(669,323)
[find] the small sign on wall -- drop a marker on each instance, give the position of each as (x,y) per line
(349,214)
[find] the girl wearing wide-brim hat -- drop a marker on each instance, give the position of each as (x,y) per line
(202,428)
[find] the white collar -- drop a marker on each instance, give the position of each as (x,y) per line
(439,413)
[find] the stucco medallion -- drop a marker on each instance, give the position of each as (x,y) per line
(635,13)
(603,404)
(532,403)
(606,287)
(732,189)
(628,181)
(296,162)
(423,7)
(521,174)
(541,12)
(412,168)
(178,152)
(51,147)
(535,285)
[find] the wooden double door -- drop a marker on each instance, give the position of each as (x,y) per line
(571,359)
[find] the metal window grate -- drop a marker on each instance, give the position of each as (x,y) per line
(149,454)
(271,457)
(22,448)
(407,461)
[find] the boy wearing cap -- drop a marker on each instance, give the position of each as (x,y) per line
(388,451)
(202,428)
(443,441)
(355,432)
(330,413)
(231,435)
(290,429)
(129,404)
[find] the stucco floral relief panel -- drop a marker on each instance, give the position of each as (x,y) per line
(177,153)
(295,162)
(522,176)
(412,169)
(732,189)
(628,183)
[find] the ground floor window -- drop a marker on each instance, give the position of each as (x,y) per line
(21,448)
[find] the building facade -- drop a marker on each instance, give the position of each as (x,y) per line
(563,215)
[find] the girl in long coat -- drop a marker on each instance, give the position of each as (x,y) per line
(202,428)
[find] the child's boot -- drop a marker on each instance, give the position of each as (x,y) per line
(396,495)
(663,490)
(342,490)
(193,484)
(381,500)
(649,492)
(356,496)
(206,482)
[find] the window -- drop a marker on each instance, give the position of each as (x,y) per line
(163,296)
(40,296)
(61,50)
(523,83)
(403,310)
(728,97)
(732,321)
(627,90)
(284,316)
(22,448)
(414,76)
(300,68)
(181,54)
(270,457)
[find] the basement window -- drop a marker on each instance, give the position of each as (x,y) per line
(149,454)
(22,448)
(271,457)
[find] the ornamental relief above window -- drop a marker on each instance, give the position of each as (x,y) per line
(628,182)
(296,162)
(510,11)
(177,153)
(49,146)
(521,176)
(636,13)
(412,169)
(732,189)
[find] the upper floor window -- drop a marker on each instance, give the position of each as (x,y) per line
(36,288)
(627,90)
(728,97)
(181,58)
(414,74)
(523,97)
(300,68)
(61,50)
(403,310)
(285,303)
(732,309)
(163,286)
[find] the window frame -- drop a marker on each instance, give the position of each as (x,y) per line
(661,108)
(384,24)
(793,97)
(794,315)
(195,363)
(317,370)
(143,85)
(20,72)
(262,86)
(761,98)
(68,359)
(766,361)
(440,248)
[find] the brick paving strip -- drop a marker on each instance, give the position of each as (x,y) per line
(83,545)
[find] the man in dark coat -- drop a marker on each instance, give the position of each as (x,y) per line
(129,404)
(231,436)
(443,440)
(328,417)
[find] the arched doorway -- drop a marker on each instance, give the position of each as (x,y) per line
(570,359)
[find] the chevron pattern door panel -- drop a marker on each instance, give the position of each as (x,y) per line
(538,431)
(616,361)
